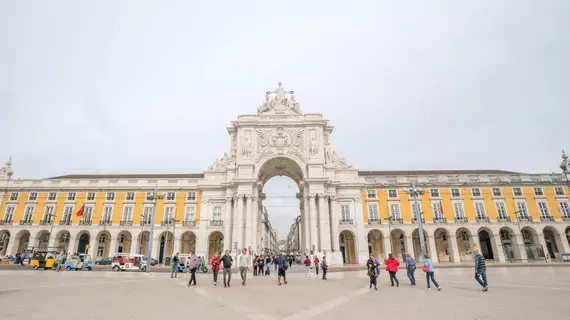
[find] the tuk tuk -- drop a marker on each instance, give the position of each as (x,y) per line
(79,262)
(42,260)
(128,261)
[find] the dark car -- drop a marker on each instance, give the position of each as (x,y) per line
(104,262)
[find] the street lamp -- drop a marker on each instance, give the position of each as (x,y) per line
(173,220)
(415,192)
(153,196)
(390,233)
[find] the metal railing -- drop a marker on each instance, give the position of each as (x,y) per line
(166,223)
(439,220)
(105,223)
(461,219)
(190,223)
(346,221)
(482,219)
(25,222)
(216,223)
(546,218)
(503,219)
(565,218)
(527,218)
(415,220)
(6,222)
(374,221)
(126,223)
(397,221)
(85,222)
(46,222)
(145,223)
(65,222)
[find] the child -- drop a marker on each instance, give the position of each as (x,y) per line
(373,274)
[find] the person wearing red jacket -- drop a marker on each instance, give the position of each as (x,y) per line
(392,267)
(215,262)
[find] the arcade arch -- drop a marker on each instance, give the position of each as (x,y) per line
(124,240)
(399,246)
(187,242)
(486,241)
(442,245)
(347,247)
(62,239)
(103,244)
(165,246)
(42,239)
(376,244)
(215,244)
(142,247)
(4,241)
(464,241)
(83,238)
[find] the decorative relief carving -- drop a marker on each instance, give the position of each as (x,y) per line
(279,101)
(280,141)
(221,164)
(247,147)
(340,162)
(313,144)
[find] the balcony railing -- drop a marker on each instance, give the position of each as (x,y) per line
(503,219)
(126,223)
(166,223)
(565,218)
(65,222)
(85,222)
(374,221)
(439,220)
(482,219)
(414,220)
(145,223)
(45,222)
(461,219)
(396,221)
(526,218)
(25,222)
(189,223)
(105,223)
(546,218)
(216,223)
(346,221)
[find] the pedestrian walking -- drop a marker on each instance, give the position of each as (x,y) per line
(267,265)
(215,263)
(325,267)
(428,269)
(480,270)
(227,262)
(316,264)
(411,268)
(59,260)
(307,266)
(187,266)
(260,266)
(373,274)
(244,264)
(392,268)
(195,261)
(282,265)
(175,261)
(255,266)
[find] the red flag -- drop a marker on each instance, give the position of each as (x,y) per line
(441,208)
(80,212)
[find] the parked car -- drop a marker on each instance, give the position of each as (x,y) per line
(104,262)
(153,262)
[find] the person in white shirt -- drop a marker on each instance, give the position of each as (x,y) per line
(244,265)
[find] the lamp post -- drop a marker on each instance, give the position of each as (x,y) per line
(390,233)
(149,250)
(415,192)
(173,231)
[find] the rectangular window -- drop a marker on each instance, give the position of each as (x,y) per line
(90,196)
(501,211)
(517,192)
(71,196)
(168,213)
(67,213)
(107,214)
(538,192)
(190,211)
(130,196)
(87,214)
(434,193)
(497,192)
(191,196)
(522,212)
(559,191)
(128,214)
(52,196)
(395,211)
(345,212)
(543,208)
(149,196)
(437,212)
(480,210)
(9,215)
(33,196)
(110,196)
(476,192)
(147,215)
(29,213)
(217,216)
(13,196)
(371,194)
(372,212)
(416,210)
(392,193)
(171,196)
(48,214)
(458,210)
(455,193)
(564,208)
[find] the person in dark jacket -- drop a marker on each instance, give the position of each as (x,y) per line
(411,268)
(325,267)
(175,261)
(282,265)
(227,262)
(480,270)
(392,268)
(372,273)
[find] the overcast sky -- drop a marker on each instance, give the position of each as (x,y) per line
(141,86)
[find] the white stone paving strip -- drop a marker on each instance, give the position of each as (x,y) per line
(72,285)
(498,285)
(326,306)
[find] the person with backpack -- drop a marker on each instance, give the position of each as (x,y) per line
(325,267)
(316,264)
(480,270)
(392,268)
(411,268)
(372,273)
(428,269)
(175,261)
(215,263)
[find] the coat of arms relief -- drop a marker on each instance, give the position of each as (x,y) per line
(281,141)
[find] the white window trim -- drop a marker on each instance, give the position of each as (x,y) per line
(377,217)
(17,196)
(521,195)
(526,214)
(538,195)
(500,196)
(485,215)
(438,193)
(195,196)
(127,196)
(399,214)
(170,200)
(397,194)
(412,209)
(368,191)
(88,214)
(547,209)
(11,213)
(30,197)
(54,199)
(46,213)
(74,197)
(349,210)
(562,211)
(104,215)
(451,193)
(455,215)
(94,197)
(439,214)
(30,216)
(480,193)
(107,197)
(497,202)
(123,218)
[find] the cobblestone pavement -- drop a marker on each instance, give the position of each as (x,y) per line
(515,293)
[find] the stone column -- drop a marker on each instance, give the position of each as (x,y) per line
(248,222)
(13,244)
(239,224)
(324,223)
(254,225)
(432,248)
(313,223)
(176,239)
(202,236)
(520,247)
(307,224)
(156,247)
(228,224)
(335,208)
(454,249)
(362,243)
(234,222)
(302,228)
(409,246)
(112,246)
(498,247)
(386,244)
(564,247)
(92,246)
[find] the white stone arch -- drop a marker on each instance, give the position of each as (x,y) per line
(215,243)
(102,244)
(124,242)
(142,242)
(487,244)
(62,240)
(511,248)
(42,238)
(375,239)
(443,246)
(553,242)
(164,246)
(187,242)
(417,244)
(464,238)
(268,160)
(347,245)
(82,239)
(399,243)
(4,242)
